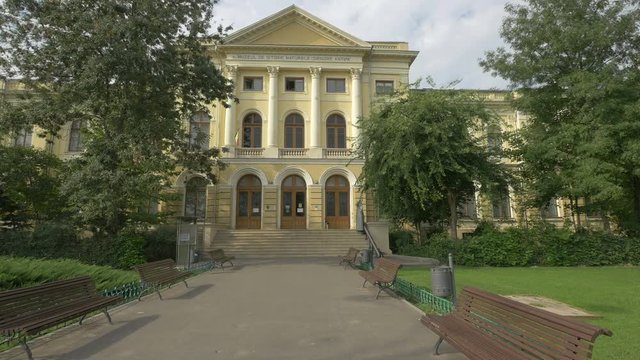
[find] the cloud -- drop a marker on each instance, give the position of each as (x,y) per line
(450,35)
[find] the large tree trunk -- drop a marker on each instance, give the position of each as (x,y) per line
(452,199)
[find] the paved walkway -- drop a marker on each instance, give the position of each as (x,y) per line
(261,309)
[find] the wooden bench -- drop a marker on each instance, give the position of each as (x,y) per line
(159,273)
(488,326)
(218,257)
(350,258)
(27,311)
(383,275)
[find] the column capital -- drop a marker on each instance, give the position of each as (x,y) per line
(232,71)
(315,71)
(355,73)
(273,70)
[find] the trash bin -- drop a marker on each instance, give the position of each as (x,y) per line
(441,281)
(364,257)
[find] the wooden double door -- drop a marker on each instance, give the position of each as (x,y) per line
(249,201)
(293,210)
(337,203)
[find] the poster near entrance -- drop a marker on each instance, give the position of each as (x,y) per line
(293,211)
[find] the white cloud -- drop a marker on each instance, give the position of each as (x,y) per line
(450,35)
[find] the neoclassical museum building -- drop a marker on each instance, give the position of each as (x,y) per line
(302,85)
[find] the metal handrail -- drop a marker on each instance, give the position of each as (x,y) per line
(372,243)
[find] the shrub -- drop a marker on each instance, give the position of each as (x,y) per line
(160,243)
(399,239)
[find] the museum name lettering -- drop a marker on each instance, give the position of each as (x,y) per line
(291,57)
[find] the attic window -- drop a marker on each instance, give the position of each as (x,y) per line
(294,84)
(253,83)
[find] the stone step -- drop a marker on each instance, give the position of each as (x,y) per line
(288,243)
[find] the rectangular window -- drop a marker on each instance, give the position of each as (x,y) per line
(468,208)
(384,87)
(494,138)
(23,138)
(550,210)
(336,86)
(253,83)
(294,84)
(502,207)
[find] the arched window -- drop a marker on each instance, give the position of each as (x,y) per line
(336,132)
(294,131)
(252,131)
(75,136)
(199,130)
(195,198)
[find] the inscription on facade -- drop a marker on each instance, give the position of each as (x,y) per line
(314,58)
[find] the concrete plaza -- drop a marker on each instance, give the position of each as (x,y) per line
(260,309)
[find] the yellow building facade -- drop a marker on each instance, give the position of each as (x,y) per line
(301,85)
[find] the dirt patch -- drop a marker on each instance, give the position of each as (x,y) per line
(551,305)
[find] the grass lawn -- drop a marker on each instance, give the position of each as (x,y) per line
(610,292)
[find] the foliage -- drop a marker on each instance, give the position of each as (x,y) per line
(133,73)
(160,243)
(541,244)
(608,292)
(424,151)
(52,240)
(576,67)
(29,186)
(399,239)
(21,272)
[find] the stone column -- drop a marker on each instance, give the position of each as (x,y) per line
(356,103)
(230,113)
(315,131)
(272,123)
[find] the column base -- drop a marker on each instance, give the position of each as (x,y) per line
(271,153)
(315,153)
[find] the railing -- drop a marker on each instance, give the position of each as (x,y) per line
(336,153)
(249,152)
(372,243)
(292,153)
(420,295)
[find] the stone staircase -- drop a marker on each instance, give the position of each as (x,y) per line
(288,243)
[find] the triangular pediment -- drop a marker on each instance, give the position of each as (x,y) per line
(293,26)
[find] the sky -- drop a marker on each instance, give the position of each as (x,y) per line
(451,35)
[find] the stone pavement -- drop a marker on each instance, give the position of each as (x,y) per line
(261,309)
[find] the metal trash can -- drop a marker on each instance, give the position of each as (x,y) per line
(364,257)
(441,281)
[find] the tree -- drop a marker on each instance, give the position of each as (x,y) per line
(29,187)
(424,153)
(575,64)
(133,72)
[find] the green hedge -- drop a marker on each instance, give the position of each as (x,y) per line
(542,244)
(58,241)
(21,272)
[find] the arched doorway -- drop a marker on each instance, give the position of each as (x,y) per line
(294,207)
(249,209)
(337,203)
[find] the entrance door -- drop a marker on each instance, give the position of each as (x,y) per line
(249,209)
(294,207)
(337,202)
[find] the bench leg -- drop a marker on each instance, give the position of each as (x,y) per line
(438,343)
(185,283)
(82,319)
(106,313)
(365,281)
(23,343)
(379,291)
(158,291)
